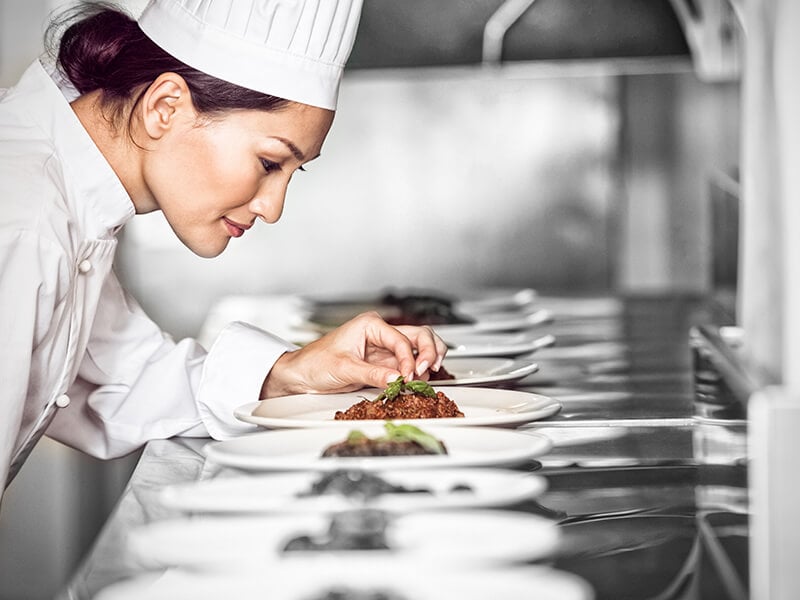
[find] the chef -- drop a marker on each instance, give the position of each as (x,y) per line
(204,111)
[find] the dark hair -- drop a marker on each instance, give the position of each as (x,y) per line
(97,46)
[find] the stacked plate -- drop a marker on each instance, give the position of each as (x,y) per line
(359,578)
(279,520)
(491,335)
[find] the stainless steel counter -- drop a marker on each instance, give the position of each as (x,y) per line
(647,478)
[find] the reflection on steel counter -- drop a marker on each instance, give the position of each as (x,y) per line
(649,494)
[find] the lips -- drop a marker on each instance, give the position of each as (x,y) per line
(234,228)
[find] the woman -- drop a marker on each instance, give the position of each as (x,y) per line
(125,126)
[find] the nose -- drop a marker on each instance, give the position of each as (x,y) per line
(268,202)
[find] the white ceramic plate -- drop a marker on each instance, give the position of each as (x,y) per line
(340,307)
(236,543)
(495,322)
(485,370)
(494,300)
(289,492)
(495,344)
(357,576)
(301,449)
(481,406)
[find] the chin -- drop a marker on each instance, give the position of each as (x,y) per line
(207,250)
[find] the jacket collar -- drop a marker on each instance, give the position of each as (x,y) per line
(93,190)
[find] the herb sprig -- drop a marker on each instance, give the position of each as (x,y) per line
(400,386)
(401,433)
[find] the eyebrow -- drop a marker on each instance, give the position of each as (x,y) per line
(294,149)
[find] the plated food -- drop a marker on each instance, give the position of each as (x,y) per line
(462,537)
(419,306)
(356,578)
(480,406)
(403,400)
(396,306)
(346,488)
(301,449)
(398,440)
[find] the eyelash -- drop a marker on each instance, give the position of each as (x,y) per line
(270,166)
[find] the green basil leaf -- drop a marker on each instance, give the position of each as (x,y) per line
(398,386)
(355,436)
(421,387)
(411,433)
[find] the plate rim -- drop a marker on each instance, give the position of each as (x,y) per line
(183,497)
(525,368)
(527,346)
(556,582)
(215,452)
(519,322)
(550,406)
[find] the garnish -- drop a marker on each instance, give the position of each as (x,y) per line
(402,433)
(412,433)
(355,436)
(399,386)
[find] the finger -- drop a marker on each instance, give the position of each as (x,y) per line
(381,334)
(431,349)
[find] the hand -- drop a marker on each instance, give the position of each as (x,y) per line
(365,351)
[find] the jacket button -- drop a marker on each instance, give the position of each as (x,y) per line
(84,266)
(62,401)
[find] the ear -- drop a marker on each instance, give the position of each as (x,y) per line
(164,103)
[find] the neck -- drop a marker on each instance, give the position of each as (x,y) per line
(117,147)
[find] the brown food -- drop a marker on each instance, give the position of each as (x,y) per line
(376,447)
(440,375)
(404,406)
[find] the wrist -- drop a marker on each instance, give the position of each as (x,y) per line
(279,381)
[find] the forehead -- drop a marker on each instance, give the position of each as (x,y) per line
(303,126)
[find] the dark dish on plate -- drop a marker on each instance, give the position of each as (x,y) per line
(353,483)
(396,306)
(422,309)
(402,400)
(345,592)
(399,440)
(441,375)
(362,529)
(363,485)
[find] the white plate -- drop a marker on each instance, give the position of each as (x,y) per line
(495,344)
(287,492)
(236,543)
(481,406)
(494,300)
(300,449)
(313,579)
(496,322)
(475,304)
(359,576)
(483,370)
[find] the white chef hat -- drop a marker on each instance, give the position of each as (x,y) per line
(293,49)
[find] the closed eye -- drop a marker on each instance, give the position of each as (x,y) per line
(269,166)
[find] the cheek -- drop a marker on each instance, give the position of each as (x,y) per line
(202,174)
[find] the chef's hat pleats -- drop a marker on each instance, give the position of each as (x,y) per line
(294,49)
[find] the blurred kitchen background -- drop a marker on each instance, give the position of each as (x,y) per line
(571,146)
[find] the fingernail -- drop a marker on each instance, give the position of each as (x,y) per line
(422,367)
(392,378)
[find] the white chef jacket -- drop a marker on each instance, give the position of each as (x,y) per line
(79,359)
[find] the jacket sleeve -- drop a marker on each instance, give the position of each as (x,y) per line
(136,384)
